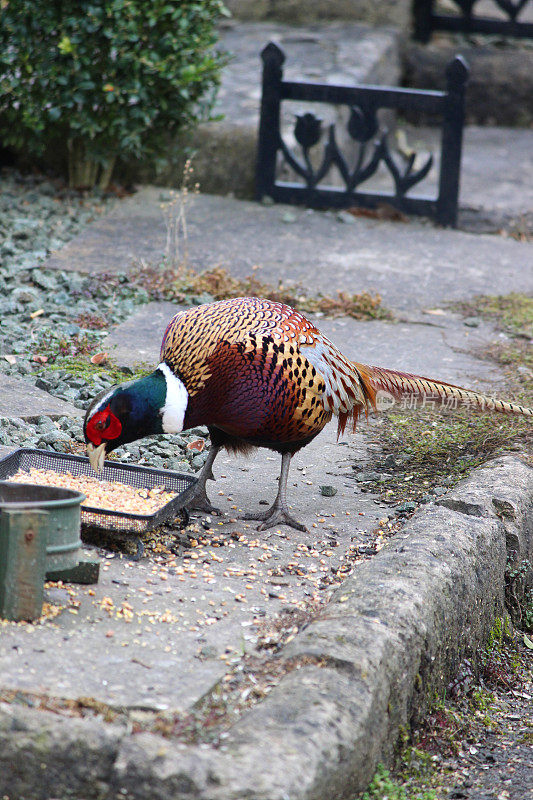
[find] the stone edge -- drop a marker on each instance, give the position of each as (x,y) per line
(392,634)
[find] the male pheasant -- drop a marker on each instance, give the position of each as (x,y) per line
(257,374)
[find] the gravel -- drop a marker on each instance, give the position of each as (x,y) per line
(51,319)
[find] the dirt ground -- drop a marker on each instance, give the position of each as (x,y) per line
(476,745)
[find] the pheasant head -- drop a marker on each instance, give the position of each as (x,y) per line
(133,410)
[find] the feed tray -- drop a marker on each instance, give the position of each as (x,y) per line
(104,519)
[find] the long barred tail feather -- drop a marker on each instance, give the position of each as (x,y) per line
(384,386)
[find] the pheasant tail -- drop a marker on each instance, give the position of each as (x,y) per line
(382,386)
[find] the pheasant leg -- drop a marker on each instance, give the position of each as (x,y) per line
(278,513)
(200,501)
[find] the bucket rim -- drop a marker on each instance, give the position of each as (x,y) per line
(66,498)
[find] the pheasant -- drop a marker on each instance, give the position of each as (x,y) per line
(257,374)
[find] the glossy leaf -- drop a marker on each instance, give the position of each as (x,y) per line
(55,58)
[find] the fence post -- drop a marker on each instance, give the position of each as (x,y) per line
(268,139)
(457,73)
(422,14)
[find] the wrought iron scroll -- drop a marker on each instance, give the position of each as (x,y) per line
(427,19)
(363,128)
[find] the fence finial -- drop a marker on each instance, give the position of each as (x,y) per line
(272,54)
(457,72)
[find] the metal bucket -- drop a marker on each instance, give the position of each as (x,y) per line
(61,523)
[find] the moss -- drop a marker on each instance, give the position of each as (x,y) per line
(385,787)
(439,449)
(519,595)
(83,367)
(500,633)
(512,312)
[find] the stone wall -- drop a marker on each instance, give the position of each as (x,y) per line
(386,12)
(499,90)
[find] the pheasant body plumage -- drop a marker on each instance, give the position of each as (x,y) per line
(272,372)
(258,373)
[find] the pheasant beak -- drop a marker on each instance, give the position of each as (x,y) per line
(96,456)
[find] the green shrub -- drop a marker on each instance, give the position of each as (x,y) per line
(105,78)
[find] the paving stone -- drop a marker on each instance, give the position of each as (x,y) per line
(411,265)
(21,399)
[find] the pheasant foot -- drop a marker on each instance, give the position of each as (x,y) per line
(275,515)
(278,513)
(200,501)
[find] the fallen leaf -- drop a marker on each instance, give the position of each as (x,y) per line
(40,359)
(99,358)
(197,445)
(528,642)
(383,211)
(438,312)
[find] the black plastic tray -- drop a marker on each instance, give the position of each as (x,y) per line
(132,474)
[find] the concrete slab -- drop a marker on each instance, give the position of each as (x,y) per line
(496,174)
(150,635)
(19,398)
(137,341)
(412,265)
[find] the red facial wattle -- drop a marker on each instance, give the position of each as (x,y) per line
(103,426)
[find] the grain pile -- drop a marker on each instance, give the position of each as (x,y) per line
(109,495)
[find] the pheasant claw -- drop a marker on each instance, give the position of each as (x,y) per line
(278,513)
(274,516)
(201,502)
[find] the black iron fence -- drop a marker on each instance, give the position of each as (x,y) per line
(363,129)
(427,19)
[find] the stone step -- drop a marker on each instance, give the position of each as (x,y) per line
(19,398)
(413,265)
(343,52)
(500,85)
(386,12)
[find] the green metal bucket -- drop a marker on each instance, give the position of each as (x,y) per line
(61,523)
